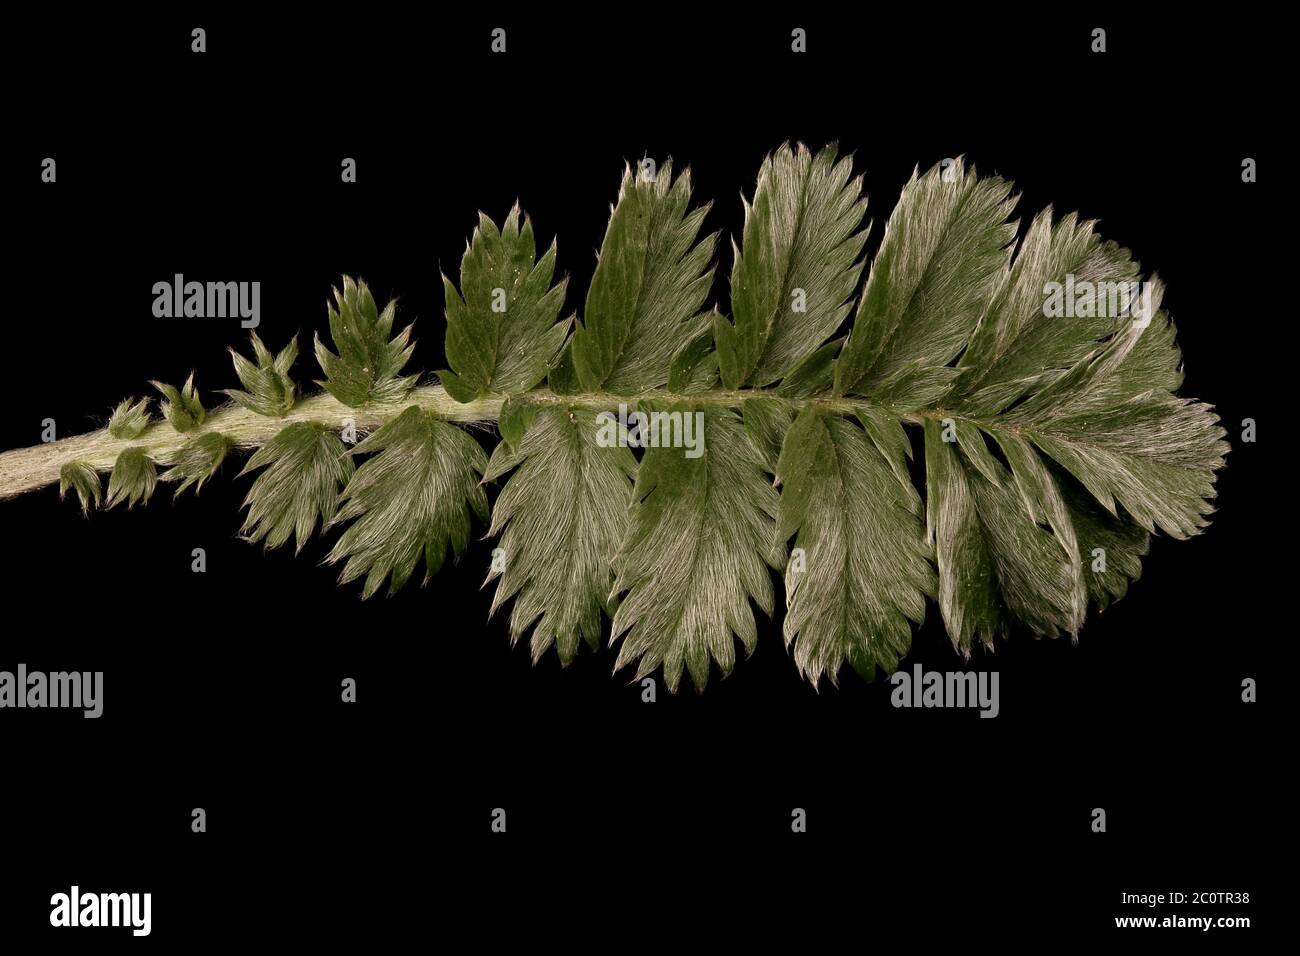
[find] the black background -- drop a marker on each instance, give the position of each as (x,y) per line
(328,820)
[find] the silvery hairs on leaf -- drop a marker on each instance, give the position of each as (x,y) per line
(649,286)
(269,389)
(368,364)
(701,540)
(561,516)
(411,500)
(181,407)
(502,334)
(133,479)
(129,420)
(305,466)
(197,461)
(82,478)
(862,573)
(945,245)
(996,564)
(798,266)
(1092,393)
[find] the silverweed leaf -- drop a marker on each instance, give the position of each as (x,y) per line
(651,280)
(270,391)
(128,420)
(560,517)
(859,573)
(84,480)
(1039,377)
(197,461)
(367,366)
(701,539)
(797,268)
(502,334)
(133,478)
(411,500)
(305,466)
(181,407)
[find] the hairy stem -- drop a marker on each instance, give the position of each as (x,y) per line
(26,469)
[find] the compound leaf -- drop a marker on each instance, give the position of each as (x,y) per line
(1043,376)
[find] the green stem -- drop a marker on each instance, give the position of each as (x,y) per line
(26,469)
